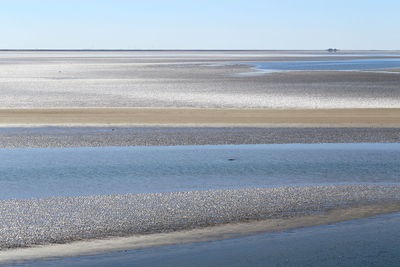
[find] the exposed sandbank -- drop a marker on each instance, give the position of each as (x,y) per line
(204,81)
(201,117)
(233,230)
(29,222)
(15,137)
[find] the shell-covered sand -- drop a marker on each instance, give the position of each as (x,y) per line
(27,222)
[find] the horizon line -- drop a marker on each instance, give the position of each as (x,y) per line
(166,50)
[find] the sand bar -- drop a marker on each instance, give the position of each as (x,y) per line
(14,137)
(201,117)
(41,221)
(119,221)
(234,230)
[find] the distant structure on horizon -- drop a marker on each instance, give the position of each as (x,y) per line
(332,50)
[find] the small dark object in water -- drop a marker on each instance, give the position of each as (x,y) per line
(231,159)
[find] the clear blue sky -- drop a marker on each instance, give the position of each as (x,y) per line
(202,24)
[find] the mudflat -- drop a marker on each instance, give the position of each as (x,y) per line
(201,117)
(187,79)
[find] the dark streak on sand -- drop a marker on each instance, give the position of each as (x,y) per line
(166,136)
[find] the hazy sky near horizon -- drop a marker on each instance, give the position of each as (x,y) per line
(202,24)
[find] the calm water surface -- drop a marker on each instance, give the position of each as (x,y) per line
(44,172)
(329,65)
(109,170)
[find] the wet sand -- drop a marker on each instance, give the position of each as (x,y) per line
(174,136)
(373,241)
(65,219)
(229,231)
(203,80)
(201,117)
(86,99)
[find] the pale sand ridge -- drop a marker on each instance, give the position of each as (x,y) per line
(201,117)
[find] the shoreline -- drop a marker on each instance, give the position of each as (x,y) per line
(189,117)
(79,99)
(204,234)
(92,214)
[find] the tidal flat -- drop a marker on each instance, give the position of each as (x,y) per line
(162,154)
(41,137)
(54,197)
(192,79)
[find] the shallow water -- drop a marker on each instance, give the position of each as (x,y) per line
(365,242)
(31,173)
(329,65)
(28,173)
